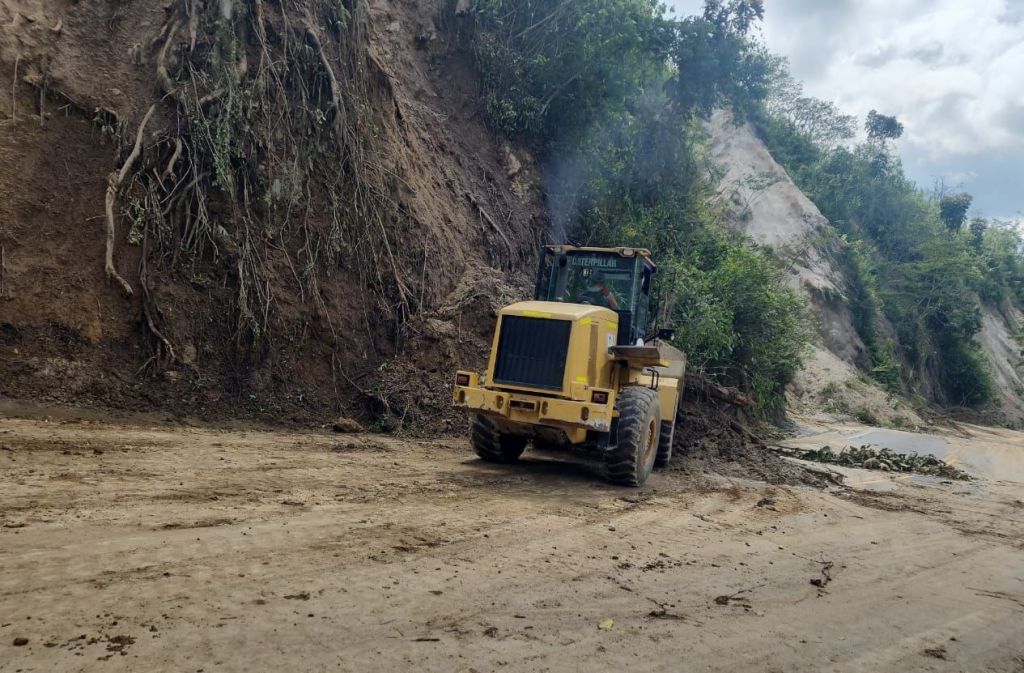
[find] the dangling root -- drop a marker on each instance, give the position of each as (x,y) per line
(149,307)
(258,134)
(114,182)
(162,73)
(169,171)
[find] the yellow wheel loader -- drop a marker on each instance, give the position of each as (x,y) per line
(576,369)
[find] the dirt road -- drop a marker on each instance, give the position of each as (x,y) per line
(131,548)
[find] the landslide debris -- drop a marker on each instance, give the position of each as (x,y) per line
(712,437)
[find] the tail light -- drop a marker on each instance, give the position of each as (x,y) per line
(462,379)
(599,397)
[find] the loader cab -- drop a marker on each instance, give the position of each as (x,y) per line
(576,275)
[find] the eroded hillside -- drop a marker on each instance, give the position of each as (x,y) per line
(305,214)
(764,203)
(310,206)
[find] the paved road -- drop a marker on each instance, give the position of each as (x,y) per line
(990,453)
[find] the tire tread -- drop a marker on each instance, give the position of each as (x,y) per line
(494,446)
(635,405)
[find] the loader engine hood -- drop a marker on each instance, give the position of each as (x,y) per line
(552,348)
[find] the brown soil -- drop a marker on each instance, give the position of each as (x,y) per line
(129,547)
(713,436)
(68,334)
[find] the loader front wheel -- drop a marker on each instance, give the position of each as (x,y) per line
(492,445)
(632,459)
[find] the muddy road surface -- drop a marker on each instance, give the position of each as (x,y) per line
(128,547)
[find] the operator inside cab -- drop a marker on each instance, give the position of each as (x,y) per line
(618,279)
(598,293)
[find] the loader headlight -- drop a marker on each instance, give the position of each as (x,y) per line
(599,397)
(462,379)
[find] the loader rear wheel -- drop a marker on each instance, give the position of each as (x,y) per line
(668,433)
(632,459)
(492,445)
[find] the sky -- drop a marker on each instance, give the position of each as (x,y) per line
(952,71)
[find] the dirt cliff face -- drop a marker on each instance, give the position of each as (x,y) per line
(1006,357)
(311,207)
(764,203)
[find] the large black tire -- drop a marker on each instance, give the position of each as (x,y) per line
(632,459)
(492,445)
(541,444)
(665,437)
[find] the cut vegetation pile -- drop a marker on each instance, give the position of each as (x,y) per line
(871,458)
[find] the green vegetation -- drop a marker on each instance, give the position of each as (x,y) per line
(610,92)
(909,256)
(866,416)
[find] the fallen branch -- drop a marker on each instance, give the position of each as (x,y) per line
(42,102)
(880,458)
(365,393)
(743,430)
(831,475)
(703,386)
(114,182)
(738,597)
(487,218)
(662,611)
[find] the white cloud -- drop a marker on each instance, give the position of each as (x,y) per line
(951,70)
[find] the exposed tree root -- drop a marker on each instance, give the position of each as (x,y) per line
(114,182)
(253,152)
(149,308)
(193,24)
(162,73)
(169,171)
